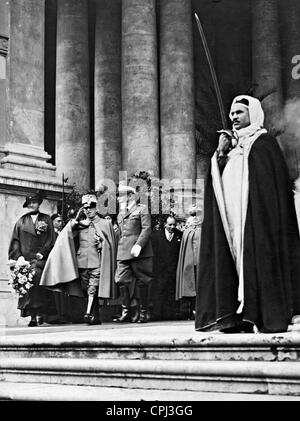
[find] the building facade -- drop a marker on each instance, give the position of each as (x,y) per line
(89,88)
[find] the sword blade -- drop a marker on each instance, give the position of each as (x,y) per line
(213,72)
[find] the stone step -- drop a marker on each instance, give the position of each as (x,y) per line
(133,344)
(274,378)
(55,392)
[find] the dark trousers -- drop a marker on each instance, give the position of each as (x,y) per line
(139,269)
(165,306)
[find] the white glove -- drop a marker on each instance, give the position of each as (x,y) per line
(136,249)
(39,256)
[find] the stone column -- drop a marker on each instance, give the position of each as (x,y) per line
(266,59)
(4,39)
(24,167)
(177,104)
(290,42)
(140,148)
(108,119)
(178,152)
(25,146)
(233,58)
(72,93)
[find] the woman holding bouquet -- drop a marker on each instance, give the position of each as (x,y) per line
(33,238)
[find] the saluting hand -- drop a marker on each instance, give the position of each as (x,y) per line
(78,213)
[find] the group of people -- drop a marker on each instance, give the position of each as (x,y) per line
(95,259)
(239,269)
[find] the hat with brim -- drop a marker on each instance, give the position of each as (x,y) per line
(126,189)
(89,200)
(33,197)
(56,215)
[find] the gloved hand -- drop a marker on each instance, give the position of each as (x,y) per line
(136,249)
(39,256)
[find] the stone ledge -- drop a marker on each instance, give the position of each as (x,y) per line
(172,334)
(110,342)
(54,392)
(210,376)
(14,182)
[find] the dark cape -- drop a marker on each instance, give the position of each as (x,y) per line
(26,242)
(61,269)
(271,250)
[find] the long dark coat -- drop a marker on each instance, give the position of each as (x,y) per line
(271,250)
(26,241)
(165,262)
(187,267)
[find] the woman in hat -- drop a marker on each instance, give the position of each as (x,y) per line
(33,238)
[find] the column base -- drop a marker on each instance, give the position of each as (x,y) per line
(17,181)
(28,158)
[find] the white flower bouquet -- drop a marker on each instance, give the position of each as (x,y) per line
(21,276)
(41,226)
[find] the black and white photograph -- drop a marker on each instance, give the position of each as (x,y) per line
(149,203)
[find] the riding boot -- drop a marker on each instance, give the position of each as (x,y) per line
(95,317)
(192,312)
(125,300)
(143,305)
(134,314)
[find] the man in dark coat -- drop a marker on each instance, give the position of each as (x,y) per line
(250,253)
(166,246)
(134,256)
(33,238)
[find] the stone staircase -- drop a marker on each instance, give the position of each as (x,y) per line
(155,357)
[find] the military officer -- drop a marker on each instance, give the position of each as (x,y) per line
(85,250)
(94,256)
(134,256)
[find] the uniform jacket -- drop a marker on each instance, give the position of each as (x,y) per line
(87,254)
(135,228)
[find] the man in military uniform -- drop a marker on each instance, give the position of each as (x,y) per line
(85,250)
(134,256)
(94,234)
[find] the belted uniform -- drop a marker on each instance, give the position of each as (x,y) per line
(89,257)
(135,228)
